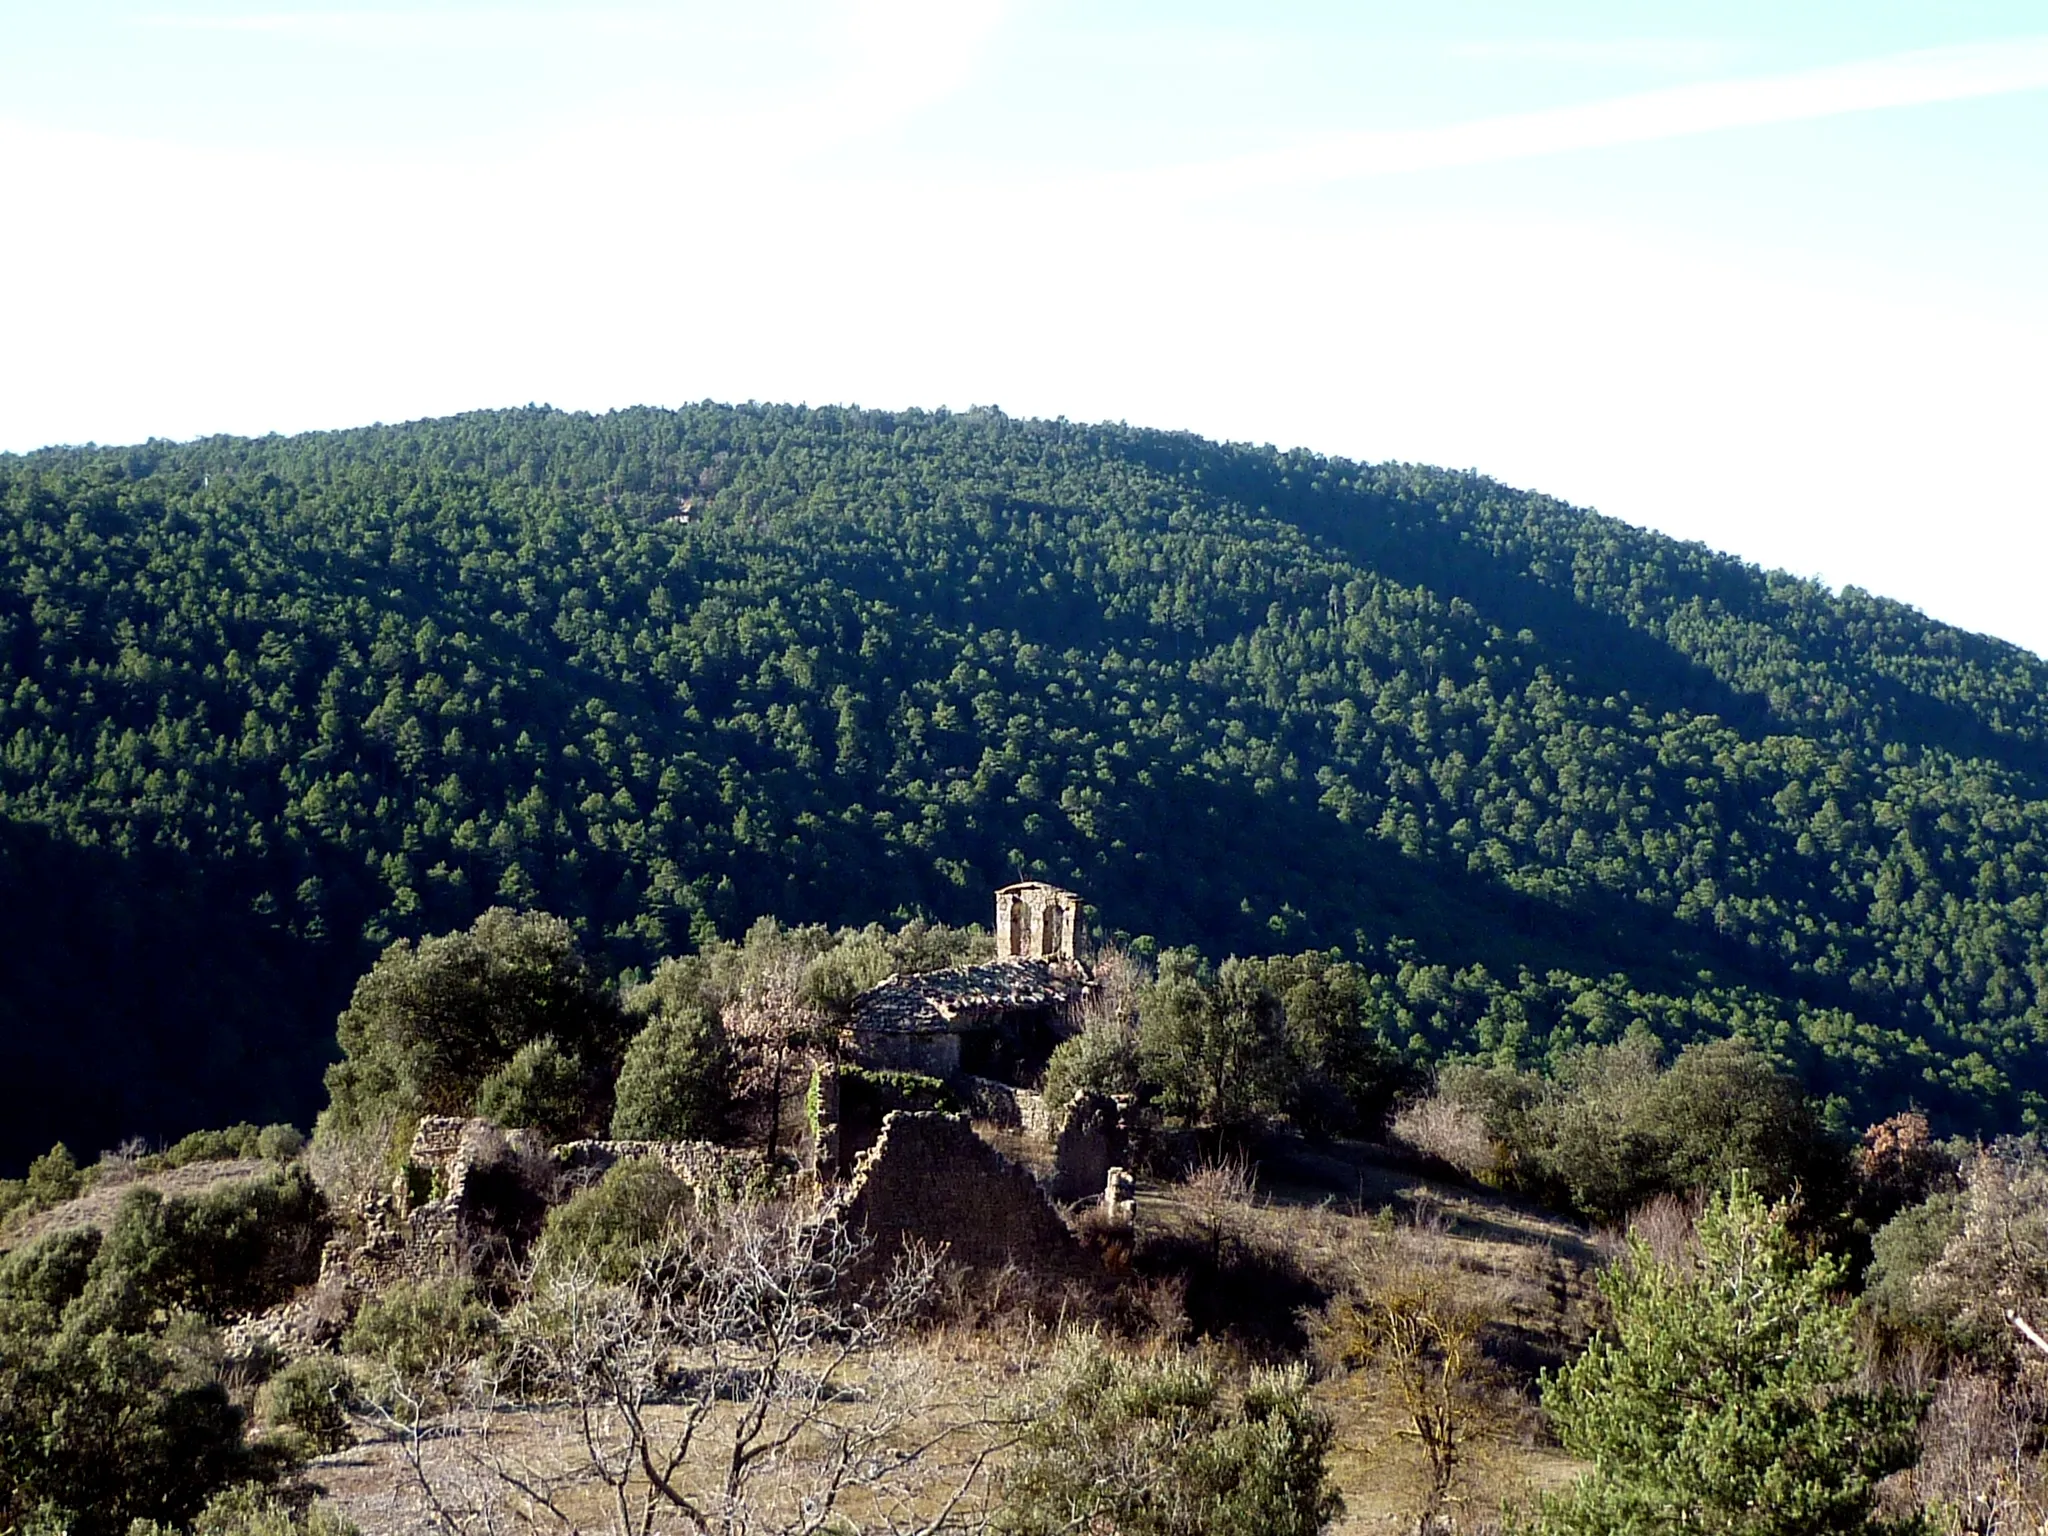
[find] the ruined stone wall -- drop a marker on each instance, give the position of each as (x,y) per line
(703,1165)
(1091,1143)
(1014,1109)
(931,1179)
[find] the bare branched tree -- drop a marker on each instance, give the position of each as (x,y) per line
(1411,1318)
(1111,1001)
(1980,1470)
(1218,1194)
(772,1023)
(738,1385)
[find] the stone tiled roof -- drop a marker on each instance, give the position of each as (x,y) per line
(963,996)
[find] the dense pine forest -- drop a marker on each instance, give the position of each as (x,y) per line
(266,706)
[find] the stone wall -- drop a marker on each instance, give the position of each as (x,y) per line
(1091,1143)
(703,1165)
(931,1179)
(1013,1109)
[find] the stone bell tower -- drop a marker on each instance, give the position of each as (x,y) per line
(1036,921)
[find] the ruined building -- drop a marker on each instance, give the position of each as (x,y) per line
(998,1021)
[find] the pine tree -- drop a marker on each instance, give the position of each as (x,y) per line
(1723,1399)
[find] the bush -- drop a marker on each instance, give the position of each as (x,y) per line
(1452,1132)
(543,1087)
(1153,1448)
(309,1400)
(1996,1257)
(48,1274)
(280,1143)
(103,1420)
(1611,1130)
(52,1179)
(420,1334)
(673,1085)
(609,1226)
(236,1141)
(253,1510)
(1903,1250)
(1096,1060)
(237,1248)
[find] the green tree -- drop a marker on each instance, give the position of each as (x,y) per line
(676,1079)
(432,1021)
(1217,1050)
(543,1087)
(1103,1059)
(1723,1400)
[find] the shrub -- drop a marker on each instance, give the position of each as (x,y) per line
(234,1141)
(609,1226)
(1610,1130)
(309,1400)
(1099,1060)
(1451,1132)
(1996,1258)
(1154,1448)
(250,1509)
(1903,1250)
(542,1086)
(280,1143)
(51,1272)
(102,1419)
(674,1083)
(52,1179)
(236,1248)
(420,1333)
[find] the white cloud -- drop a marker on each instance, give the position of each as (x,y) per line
(1901,80)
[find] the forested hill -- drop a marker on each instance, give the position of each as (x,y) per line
(265,705)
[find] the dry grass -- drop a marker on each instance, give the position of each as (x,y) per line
(1452,1133)
(1319,1211)
(96,1207)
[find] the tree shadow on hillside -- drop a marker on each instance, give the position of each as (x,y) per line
(1414,543)
(140,1001)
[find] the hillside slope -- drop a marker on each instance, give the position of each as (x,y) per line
(265,705)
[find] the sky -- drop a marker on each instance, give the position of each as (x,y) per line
(1772,277)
